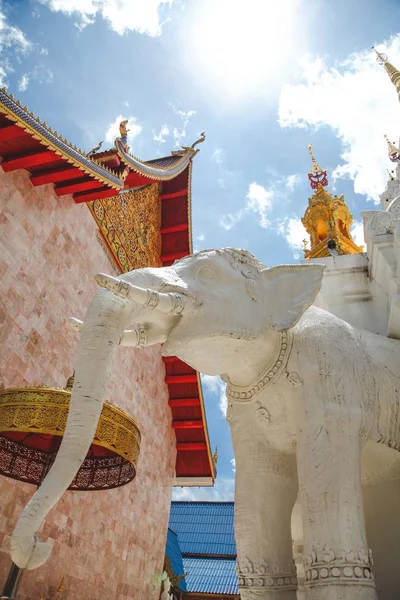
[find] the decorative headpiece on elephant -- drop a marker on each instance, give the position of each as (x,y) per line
(293,374)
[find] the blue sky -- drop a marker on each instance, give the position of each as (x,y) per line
(263,78)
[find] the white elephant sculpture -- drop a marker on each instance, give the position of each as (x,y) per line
(306,393)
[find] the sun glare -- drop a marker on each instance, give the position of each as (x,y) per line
(238,49)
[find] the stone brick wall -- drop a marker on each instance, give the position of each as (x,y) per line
(108,544)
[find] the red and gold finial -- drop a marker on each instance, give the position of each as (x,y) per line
(394,153)
(317,176)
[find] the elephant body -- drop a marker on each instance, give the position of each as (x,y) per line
(334,397)
(312,402)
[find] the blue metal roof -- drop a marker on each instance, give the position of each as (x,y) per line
(173,552)
(211,575)
(204,527)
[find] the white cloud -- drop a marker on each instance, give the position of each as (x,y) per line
(292,181)
(113,129)
(11,36)
(142,16)
(294,232)
(179,133)
(357,100)
(218,156)
(233,463)
(216,386)
(201,237)
(357,232)
(23,83)
(13,39)
(259,200)
(229,220)
(222,491)
(162,136)
(3,76)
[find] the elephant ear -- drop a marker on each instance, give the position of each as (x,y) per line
(290,290)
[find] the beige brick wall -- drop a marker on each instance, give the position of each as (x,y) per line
(108,544)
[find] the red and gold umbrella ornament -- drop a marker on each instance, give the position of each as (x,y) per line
(32,423)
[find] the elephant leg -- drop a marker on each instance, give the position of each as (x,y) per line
(382,515)
(266,490)
(336,556)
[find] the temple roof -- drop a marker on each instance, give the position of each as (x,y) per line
(204,528)
(143,213)
(173,552)
(207,544)
(214,576)
(27,142)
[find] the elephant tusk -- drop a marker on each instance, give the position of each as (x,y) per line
(136,338)
(167,303)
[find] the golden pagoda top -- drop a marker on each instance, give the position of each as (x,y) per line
(327,219)
(393,73)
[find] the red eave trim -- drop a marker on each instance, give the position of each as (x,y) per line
(177,194)
(183,402)
(56,175)
(10,132)
(29,160)
(77,186)
(191,446)
(174,228)
(197,424)
(181,378)
(102,192)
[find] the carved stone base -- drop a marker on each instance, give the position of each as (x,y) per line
(348,568)
(260,578)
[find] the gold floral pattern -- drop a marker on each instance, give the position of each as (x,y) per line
(45,410)
(130,223)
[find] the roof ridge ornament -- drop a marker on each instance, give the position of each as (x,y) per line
(191,149)
(394,153)
(317,175)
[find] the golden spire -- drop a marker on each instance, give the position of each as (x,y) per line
(393,73)
(394,153)
(317,176)
(327,219)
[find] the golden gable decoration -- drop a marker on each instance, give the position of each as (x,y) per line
(130,225)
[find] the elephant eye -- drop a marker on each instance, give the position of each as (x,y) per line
(207,273)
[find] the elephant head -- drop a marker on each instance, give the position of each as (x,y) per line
(210,309)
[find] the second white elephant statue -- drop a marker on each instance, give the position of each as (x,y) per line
(307,395)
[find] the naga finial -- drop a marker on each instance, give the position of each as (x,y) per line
(200,140)
(95,150)
(191,148)
(123,129)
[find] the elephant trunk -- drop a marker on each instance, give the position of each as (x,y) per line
(101,332)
